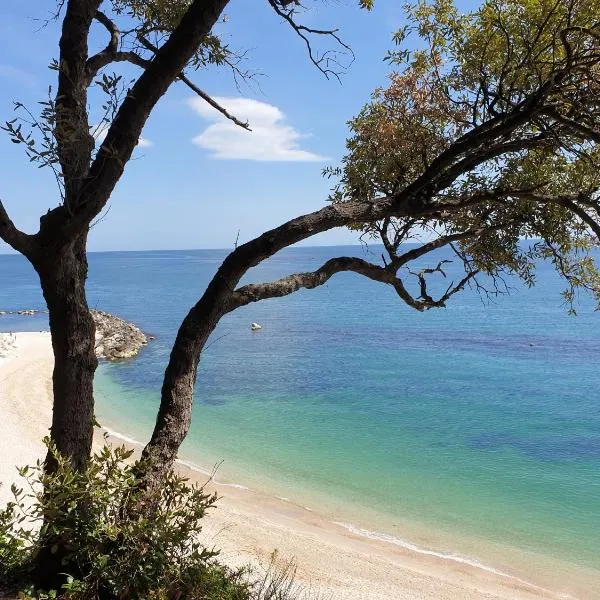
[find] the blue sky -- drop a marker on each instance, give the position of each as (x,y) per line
(196,181)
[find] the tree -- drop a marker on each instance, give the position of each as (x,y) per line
(163,38)
(485,135)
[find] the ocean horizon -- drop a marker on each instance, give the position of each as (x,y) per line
(455,428)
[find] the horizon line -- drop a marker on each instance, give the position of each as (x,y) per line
(230,249)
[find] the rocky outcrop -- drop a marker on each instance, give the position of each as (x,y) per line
(116,339)
(29,312)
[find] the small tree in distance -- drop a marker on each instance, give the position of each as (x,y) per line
(487,134)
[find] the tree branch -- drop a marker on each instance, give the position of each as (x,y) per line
(214,103)
(197,90)
(569,202)
(19,241)
(126,128)
(581,130)
(99,61)
(256,292)
(303,32)
(113,30)
(111,53)
(104,58)
(435,244)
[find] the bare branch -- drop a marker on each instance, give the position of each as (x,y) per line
(325,60)
(214,103)
(198,91)
(292,283)
(111,53)
(113,44)
(14,237)
(434,245)
(101,60)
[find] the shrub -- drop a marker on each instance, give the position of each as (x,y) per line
(108,547)
(91,524)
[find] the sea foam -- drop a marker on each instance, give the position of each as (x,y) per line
(472,562)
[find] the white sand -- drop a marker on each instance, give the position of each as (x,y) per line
(248,526)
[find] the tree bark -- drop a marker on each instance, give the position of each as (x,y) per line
(63,273)
(175,412)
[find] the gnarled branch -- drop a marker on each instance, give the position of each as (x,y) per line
(113,44)
(111,53)
(255,292)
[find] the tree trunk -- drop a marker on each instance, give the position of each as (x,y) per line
(177,395)
(63,273)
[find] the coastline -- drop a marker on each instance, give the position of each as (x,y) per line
(339,560)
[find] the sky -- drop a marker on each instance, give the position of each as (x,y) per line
(196,179)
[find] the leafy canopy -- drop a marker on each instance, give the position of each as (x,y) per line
(495,111)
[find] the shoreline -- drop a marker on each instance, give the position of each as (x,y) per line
(338,559)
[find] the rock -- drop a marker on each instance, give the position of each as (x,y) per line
(116,339)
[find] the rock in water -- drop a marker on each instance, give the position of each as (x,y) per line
(116,339)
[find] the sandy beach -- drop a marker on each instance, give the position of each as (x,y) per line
(248,526)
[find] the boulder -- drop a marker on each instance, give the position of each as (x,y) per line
(116,339)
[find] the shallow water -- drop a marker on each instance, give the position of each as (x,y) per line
(478,420)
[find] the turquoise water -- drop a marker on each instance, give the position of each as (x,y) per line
(480,419)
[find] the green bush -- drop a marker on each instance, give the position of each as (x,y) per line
(108,548)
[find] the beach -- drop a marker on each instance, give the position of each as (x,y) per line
(335,561)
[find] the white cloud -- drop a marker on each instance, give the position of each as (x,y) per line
(99,132)
(270,139)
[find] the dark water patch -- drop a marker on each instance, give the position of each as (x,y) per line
(531,346)
(551,449)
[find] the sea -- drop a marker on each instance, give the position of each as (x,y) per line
(475,425)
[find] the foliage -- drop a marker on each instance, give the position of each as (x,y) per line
(486,134)
(112,548)
(472,74)
(38,137)
(158,18)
